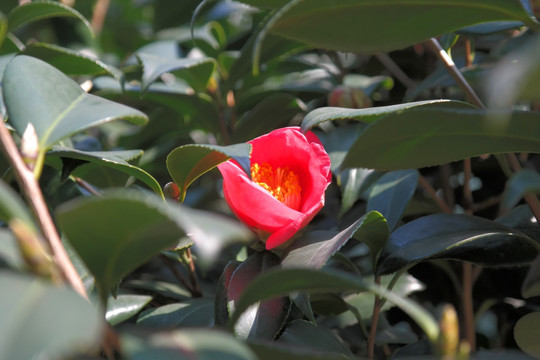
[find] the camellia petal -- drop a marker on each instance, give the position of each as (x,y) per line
(290,174)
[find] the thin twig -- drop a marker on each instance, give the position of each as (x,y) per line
(433,194)
(177,274)
(34,196)
(193,275)
(374,322)
(467,303)
(395,70)
(85,185)
(100,13)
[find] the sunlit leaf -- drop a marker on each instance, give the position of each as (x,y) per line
(124,307)
(186,163)
(36,92)
(527,332)
(198,312)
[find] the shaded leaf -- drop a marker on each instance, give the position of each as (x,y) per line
(278,282)
(353,21)
(28,310)
(458,237)
(3,28)
(39,10)
(196,72)
(527,332)
(267,350)
(117,160)
(391,193)
(12,206)
(531,284)
(170,290)
(197,312)
(202,344)
(314,249)
(10,254)
(186,163)
(118,232)
(262,320)
(304,334)
(124,307)
(69,61)
(221,310)
(419,138)
(526,181)
(36,92)
(374,232)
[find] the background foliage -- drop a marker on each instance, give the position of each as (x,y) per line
(427,245)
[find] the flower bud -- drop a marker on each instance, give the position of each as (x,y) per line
(348,97)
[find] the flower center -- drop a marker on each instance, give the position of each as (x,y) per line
(281,183)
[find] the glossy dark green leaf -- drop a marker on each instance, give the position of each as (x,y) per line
(118,232)
(354,183)
(391,194)
(29,309)
(314,249)
(39,10)
(201,344)
(373,232)
(370,115)
(221,310)
(273,112)
(531,284)
(186,163)
(197,312)
(36,92)
(353,21)
(124,307)
(278,282)
(419,138)
(526,181)
(262,320)
(458,237)
(305,334)
(527,332)
(196,72)
(117,160)
(69,61)
(271,350)
(169,290)
(12,206)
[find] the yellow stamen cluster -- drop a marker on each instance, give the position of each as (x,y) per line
(281,182)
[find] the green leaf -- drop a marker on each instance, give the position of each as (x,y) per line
(391,194)
(124,307)
(313,250)
(39,10)
(37,93)
(31,307)
(10,253)
(200,344)
(197,312)
(370,115)
(527,332)
(458,237)
(531,284)
(117,160)
(304,334)
(271,350)
(197,72)
(262,320)
(187,163)
(69,61)
(352,21)
(169,290)
(374,232)
(273,112)
(278,282)
(12,206)
(526,181)
(116,233)
(427,137)
(3,28)
(221,310)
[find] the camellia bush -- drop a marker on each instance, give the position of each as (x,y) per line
(269,179)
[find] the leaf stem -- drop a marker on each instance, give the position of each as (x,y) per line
(433,194)
(374,322)
(34,196)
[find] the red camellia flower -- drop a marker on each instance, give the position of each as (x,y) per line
(290,172)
